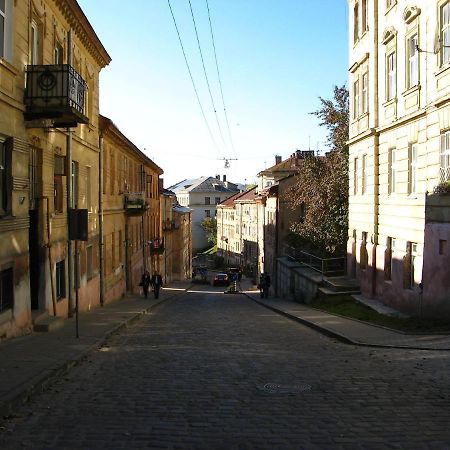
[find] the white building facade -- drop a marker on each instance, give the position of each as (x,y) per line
(399,151)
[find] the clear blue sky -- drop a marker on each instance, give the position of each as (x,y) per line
(275,58)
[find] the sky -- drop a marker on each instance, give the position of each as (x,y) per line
(274,59)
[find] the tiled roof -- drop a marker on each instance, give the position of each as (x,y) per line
(204,184)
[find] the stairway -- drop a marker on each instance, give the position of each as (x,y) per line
(342,285)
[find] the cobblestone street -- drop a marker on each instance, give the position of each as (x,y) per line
(214,371)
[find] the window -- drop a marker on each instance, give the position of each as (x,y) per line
(445,33)
(388,258)
(74,181)
(364,175)
(390,3)
(35,43)
(207,201)
(409,263)
(442,246)
(207,213)
(88,189)
(89,261)
(58,173)
(217,200)
(392,171)
(2,27)
(59,53)
(364,24)
(356,23)
(444,170)
(61,279)
(355,176)
(412,172)
(365,93)
(391,76)
(356,99)
(6,289)
(413,61)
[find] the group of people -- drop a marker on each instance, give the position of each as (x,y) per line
(154,281)
(264,285)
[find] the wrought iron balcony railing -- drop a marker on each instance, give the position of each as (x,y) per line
(444,174)
(55,94)
(135,203)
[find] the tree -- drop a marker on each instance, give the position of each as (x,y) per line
(322,184)
(209,225)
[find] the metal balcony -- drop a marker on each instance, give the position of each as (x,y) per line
(54,96)
(135,203)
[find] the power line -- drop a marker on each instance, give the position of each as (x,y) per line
(218,76)
(206,75)
(192,78)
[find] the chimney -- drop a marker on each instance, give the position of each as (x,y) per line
(224,178)
(217,177)
(277,159)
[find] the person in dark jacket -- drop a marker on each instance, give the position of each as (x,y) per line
(266,285)
(156,283)
(145,282)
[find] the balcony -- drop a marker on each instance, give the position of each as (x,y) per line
(135,203)
(54,96)
(156,246)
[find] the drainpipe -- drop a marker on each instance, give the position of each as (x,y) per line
(69,191)
(100,222)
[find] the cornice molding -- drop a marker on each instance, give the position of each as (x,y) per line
(80,25)
(388,34)
(410,13)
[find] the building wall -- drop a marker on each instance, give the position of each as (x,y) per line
(387,219)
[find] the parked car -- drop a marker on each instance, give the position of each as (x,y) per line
(221,279)
(200,275)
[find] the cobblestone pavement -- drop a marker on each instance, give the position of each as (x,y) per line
(213,371)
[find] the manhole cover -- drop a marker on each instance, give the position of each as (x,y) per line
(273,388)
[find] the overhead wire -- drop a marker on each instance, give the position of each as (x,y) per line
(206,75)
(192,78)
(219,78)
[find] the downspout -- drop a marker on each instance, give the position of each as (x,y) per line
(376,153)
(69,192)
(100,222)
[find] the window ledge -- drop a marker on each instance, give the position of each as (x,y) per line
(412,196)
(8,66)
(444,68)
(390,8)
(411,90)
(390,102)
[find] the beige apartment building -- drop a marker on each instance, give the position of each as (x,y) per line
(50,59)
(399,151)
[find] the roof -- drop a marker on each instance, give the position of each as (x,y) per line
(204,184)
(289,165)
(107,127)
(181,209)
(229,202)
(248,196)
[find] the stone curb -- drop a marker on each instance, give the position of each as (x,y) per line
(341,337)
(41,382)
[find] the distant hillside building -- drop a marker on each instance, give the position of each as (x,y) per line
(202,195)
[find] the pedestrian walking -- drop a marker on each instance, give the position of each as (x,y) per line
(156,283)
(266,285)
(145,282)
(262,285)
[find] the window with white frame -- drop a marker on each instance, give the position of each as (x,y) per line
(207,213)
(364,24)
(445,33)
(364,175)
(355,176)
(392,172)
(444,170)
(6,29)
(356,99)
(391,76)
(356,22)
(413,61)
(412,172)
(365,93)
(35,42)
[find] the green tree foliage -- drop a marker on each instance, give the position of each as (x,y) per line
(209,225)
(322,184)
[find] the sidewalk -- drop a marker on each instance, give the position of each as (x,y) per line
(351,331)
(29,363)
